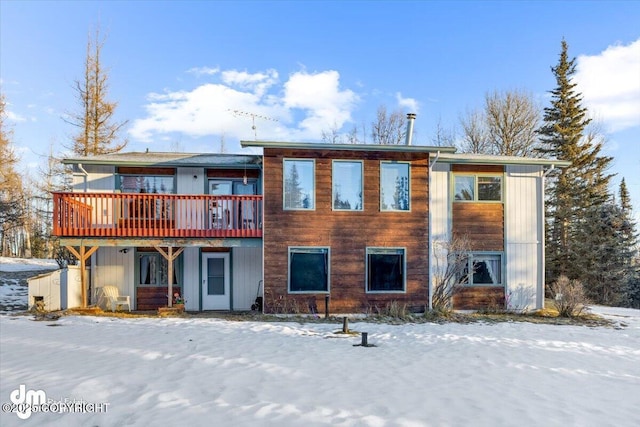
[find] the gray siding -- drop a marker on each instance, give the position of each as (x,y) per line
(99,178)
(247,273)
(114,268)
(191,278)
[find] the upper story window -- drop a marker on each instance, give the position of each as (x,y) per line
(347,185)
(394,186)
(147,184)
(299,184)
(483,188)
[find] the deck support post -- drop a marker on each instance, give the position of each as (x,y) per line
(83,254)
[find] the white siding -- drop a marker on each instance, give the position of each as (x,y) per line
(115,268)
(524,237)
(440,222)
(191,278)
(246,275)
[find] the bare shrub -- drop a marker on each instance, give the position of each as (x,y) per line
(449,271)
(569,296)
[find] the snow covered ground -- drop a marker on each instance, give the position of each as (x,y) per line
(214,372)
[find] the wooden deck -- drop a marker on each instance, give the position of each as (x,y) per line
(155,215)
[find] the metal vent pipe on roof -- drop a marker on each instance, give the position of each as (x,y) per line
(411,117)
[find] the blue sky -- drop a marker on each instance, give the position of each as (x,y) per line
(179,69)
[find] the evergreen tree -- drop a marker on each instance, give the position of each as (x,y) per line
(629,236)
(97,132)
(579,191)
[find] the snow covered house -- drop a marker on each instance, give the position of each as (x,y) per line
(303,225)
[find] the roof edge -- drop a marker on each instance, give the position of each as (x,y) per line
(349,147)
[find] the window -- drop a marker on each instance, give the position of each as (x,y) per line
(308,269)
(385,270)
(477,188)
(146,184)
(482,270)
(394,186)
(154,269)
(299,184)
(347,185)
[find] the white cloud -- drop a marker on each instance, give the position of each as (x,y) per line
(207,71)
(610,85)
(410,104)
(15,117)
(240,99)
(320,97)
(259,83)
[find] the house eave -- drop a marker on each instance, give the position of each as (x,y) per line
(347,147)
(478,159)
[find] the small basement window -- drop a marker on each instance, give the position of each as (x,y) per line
(308,269)
(386,270)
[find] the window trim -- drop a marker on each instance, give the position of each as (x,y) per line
(333,189)
(475,187)
(395,162)
(309,249)
(391,250)
(481,254)
(313,189)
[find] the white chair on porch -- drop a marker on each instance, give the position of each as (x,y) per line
(114,299)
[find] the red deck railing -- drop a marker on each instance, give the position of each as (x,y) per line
(156,215)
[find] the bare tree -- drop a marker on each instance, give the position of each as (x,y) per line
(506,126)
(443,137)
(512,121)
(11,190)
(332,135)
(97,130)
(474,133)
(390,128)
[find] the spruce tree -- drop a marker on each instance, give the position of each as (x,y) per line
(578,192)
(629,237)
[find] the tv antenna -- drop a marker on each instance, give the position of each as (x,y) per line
(253,116)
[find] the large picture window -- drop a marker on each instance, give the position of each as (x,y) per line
(347,185)
(308,269)
(299,184)
(394,186)
(483,269)
(482,188)
(385,270)
(146,184)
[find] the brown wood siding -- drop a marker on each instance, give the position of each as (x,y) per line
(478,168)
(479,297)
(346,233)
(232,173)
(481,223)
(153,297)
(145,171)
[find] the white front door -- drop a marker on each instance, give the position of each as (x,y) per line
(216,289)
